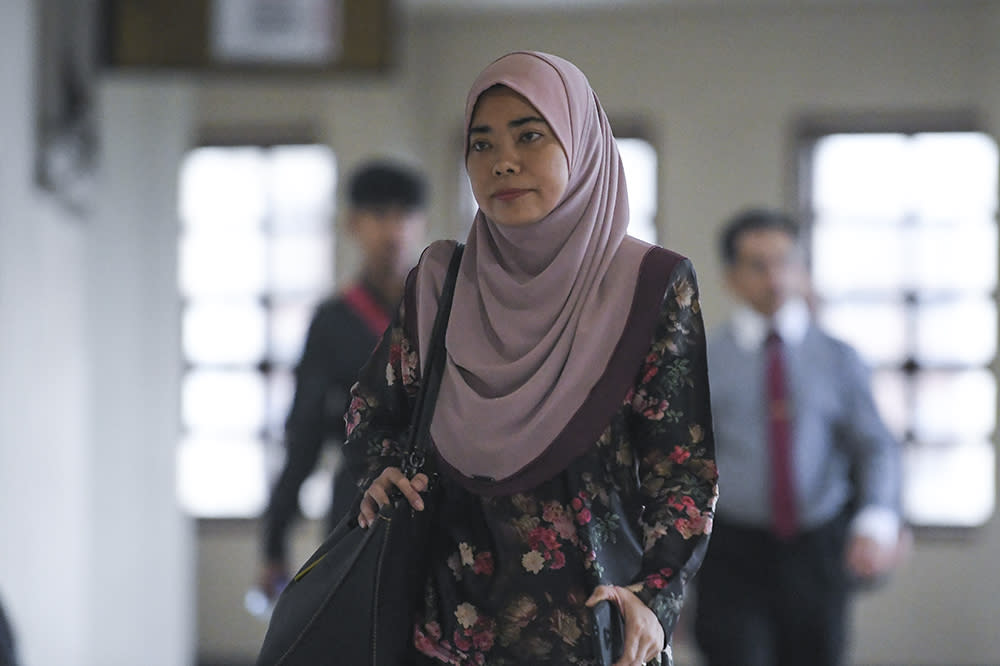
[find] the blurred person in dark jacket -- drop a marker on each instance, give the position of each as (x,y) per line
(386,218)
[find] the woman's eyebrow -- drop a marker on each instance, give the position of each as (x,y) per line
(517,122)
(525,121)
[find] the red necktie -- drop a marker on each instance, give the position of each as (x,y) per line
(779,428)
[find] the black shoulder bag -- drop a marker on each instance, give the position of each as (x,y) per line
(352,602)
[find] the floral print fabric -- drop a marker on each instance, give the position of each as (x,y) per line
(510,574)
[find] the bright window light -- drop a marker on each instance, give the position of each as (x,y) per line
(255,256)
(904,266)
(639,160)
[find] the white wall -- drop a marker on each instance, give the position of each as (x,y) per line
(142,547)
(44,525)
(95,559)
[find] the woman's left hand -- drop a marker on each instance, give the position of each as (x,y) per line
(644,637)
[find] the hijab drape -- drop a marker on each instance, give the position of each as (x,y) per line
(538,309)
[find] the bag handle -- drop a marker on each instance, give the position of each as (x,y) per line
(426,400)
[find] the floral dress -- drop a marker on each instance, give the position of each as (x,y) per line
(510,574)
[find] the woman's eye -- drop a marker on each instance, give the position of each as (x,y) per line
(478,146)
(530,136)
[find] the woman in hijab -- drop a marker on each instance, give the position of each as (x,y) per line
(572,436)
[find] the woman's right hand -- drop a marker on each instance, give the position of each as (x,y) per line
(377,493)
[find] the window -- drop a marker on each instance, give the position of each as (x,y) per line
(639,160)
(256,254)
(903,234)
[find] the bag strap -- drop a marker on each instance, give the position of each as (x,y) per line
(426,400)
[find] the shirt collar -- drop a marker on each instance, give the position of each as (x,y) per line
(750,327)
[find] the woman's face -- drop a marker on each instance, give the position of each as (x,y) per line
(517,167)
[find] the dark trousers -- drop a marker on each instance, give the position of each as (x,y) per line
(765,602)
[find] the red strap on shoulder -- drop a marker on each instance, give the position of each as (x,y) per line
(364,305)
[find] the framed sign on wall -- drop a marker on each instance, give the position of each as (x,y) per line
(306,36)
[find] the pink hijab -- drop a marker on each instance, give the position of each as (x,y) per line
(539,309)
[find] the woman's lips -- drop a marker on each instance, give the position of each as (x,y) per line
(507,195)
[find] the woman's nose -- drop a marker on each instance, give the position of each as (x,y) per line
(505,164)
(503,168)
